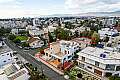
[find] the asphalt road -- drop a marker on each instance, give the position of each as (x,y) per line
(27,55)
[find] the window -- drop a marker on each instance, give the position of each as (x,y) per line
(89,67)
(59,60)
(41,43)
(97,63)
(83,58)
(46,54)
(69,56)
(118,68)
(7,54)
(4,61)
(110,67)
(2,55)
(65,52)
(8,59)
(41,34)
(68,52)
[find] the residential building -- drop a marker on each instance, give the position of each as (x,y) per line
(60,52)
(6,55)
(108,22)
(36,22)
(82,41)
(35,42)
(51,28)
(107,32)
(100,62)
(30,27)
(17,30)
(36,32)
(13,72)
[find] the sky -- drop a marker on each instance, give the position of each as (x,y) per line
(33,8)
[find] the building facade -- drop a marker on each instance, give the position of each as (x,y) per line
(100,62)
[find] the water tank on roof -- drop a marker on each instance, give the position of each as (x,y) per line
(103,55)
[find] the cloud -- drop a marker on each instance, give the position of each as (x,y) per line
(4,1)
(110,1)
(81,6)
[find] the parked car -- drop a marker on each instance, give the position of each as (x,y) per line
(20,47)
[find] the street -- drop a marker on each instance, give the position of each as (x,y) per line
(27,55)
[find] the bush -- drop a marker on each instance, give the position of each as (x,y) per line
(114,78)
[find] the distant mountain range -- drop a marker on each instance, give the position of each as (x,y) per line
(99,14)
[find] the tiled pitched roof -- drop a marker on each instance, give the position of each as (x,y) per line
(32,39)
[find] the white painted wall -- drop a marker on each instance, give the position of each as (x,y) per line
(5,57)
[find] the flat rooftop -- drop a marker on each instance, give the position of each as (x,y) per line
(101,53)
(11,72)
(55,47)
(82,40)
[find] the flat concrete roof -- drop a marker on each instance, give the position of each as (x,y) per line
(98,52)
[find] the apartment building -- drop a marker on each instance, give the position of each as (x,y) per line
(100,62)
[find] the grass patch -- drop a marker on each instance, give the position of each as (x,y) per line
(22,38)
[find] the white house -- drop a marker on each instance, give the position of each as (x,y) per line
(51,28)
(13,72)
(6,55)
(17,30)
(36,22)
(30,27)
(36,32)
(35,42)
(1,43)
(61,51)
(100,62)
(107,32)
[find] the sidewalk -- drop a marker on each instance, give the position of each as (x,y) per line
(50,66)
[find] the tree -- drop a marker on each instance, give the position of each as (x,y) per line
(51,37)
(114,78)
(11,37)
(16,41)
(62,34)
(3,31)
(23,32)
(95,38)
(69,25)
(79,75)
(76,34)
(24,44)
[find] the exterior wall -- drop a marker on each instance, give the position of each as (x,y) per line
(36,22)
(71,51)
(24,76)
(36,44)
(14,31)
(101,67)
(36,32)
(62,48)
(1,43)
(6,58)
(104,61)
